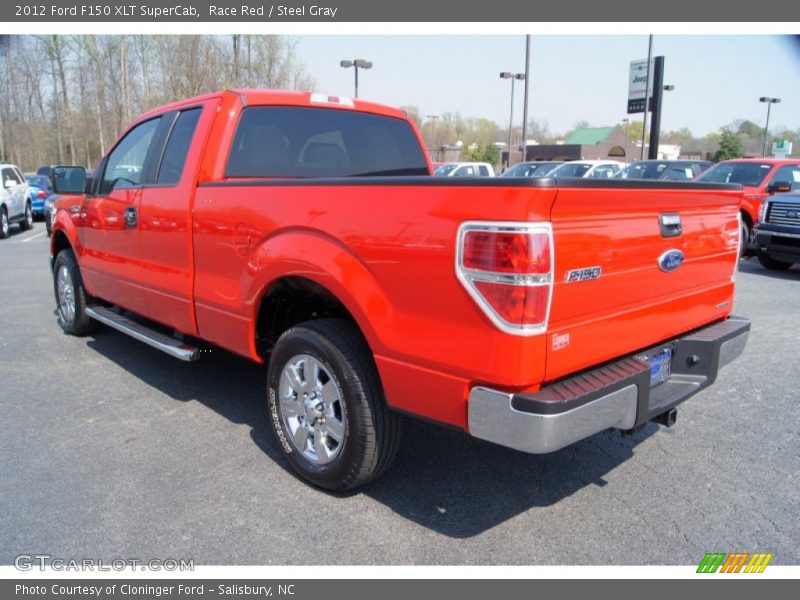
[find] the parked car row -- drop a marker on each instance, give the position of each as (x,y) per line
(760,177)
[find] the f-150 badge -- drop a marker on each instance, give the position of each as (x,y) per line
(584,274)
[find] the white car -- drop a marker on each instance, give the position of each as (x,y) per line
(16,205)
(465,169)
(595,169)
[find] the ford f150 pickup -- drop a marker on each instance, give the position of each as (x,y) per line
(304,231)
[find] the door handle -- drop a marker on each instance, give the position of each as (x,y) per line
(131,217)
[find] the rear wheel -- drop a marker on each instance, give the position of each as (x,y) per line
(27,221)
(71,296)
(327,407)
(770,263)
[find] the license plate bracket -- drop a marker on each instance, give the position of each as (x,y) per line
(660,362)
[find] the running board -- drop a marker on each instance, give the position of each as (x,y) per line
(137,331)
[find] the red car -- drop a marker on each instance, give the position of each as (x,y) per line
(304,231)
(760,178)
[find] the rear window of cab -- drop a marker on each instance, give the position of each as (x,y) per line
(301,142)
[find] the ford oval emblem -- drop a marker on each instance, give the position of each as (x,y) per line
(670,260)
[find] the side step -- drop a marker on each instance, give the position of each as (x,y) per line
(137,331)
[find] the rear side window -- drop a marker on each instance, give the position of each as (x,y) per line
(177,148)
(126,162)
(278,141)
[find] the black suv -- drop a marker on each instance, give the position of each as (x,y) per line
(778,232)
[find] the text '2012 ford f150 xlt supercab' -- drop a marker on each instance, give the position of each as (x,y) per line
(304,231)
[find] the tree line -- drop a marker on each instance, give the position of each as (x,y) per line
(65,98)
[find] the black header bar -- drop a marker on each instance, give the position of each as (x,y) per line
(462,11)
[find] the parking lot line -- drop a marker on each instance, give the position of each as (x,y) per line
(33,237)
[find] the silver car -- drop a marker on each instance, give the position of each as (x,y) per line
(16,205)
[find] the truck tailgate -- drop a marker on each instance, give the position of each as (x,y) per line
(614,292)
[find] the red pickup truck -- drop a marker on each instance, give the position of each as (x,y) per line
(304,231)
(760,178)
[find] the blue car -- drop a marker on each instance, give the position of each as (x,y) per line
(41,189)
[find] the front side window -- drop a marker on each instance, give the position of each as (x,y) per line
(788,174)
(282,141)
(126,162)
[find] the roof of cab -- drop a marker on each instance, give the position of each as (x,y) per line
(267,97)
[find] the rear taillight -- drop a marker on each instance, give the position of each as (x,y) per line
(42,194)
(507,268)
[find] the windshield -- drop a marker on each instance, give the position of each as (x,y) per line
(571,170)
(445,170)
(745,173)
(37,181)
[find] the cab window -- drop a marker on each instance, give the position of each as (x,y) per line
(126,162)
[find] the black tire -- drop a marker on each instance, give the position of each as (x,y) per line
(4,226)
(770,263)
(371,430)
(27,221)
(76,321)
(744,238)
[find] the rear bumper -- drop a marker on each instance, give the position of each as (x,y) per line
(616,395)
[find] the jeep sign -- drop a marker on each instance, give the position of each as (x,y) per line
(637,88)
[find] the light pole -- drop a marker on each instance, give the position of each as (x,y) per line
(358,63)
(625,127)
(512,77)
(770,102)
(433,118)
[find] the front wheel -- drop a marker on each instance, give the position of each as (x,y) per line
(770,263)
(3,223)
(744,237)
(71,296)
(327,407)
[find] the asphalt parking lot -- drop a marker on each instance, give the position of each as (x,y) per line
(110,449)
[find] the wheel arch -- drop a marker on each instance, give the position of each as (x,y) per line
(319,275)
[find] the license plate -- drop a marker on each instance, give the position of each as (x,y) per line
(659,366)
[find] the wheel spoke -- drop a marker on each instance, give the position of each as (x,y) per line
(329,393)
(311,371)
(334,428)
(319,446)
(290,407)
(292,374)
(300,438)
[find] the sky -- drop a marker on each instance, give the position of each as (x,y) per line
(717,78)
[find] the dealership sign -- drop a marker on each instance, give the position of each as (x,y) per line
(639,88)
(781,148)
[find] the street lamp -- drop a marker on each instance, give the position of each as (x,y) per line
(770,102)
(433,118)
(358,63)
(512,77)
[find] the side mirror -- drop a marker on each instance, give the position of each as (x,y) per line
(779,187)
(68,180)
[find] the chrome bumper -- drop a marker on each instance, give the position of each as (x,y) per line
(617,395)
